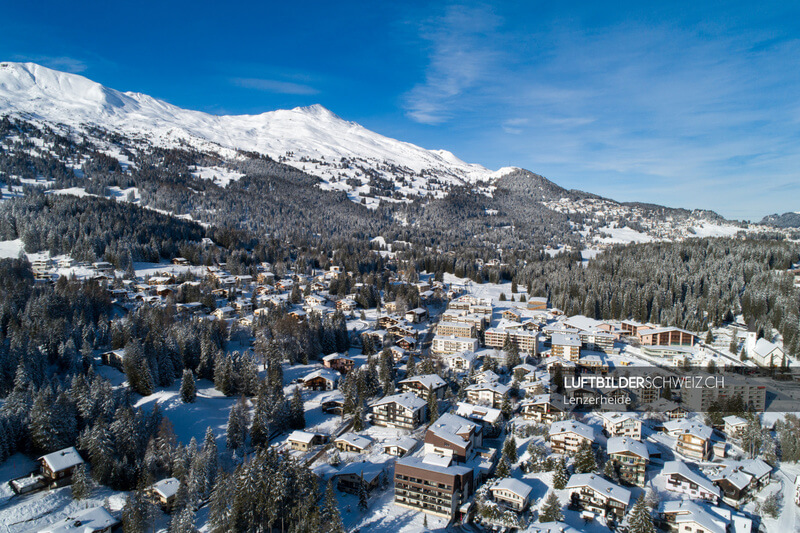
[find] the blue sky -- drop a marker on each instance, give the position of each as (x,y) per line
(682,104)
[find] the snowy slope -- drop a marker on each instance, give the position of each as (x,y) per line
(313,132)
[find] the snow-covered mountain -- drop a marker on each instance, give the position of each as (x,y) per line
(312,138)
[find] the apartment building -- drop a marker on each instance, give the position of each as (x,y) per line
(450,344)
(598,495)
(402,411)
(631,458)
(432,485)
(566,436)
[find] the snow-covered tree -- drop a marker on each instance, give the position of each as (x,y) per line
(585,461)
(561,475)
(188,387)
(639,519)
(551,510)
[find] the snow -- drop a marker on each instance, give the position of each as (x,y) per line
(622,235)
(10,249)
(219,175)
(301,134)
(709,229)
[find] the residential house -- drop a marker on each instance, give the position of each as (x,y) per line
(680,478)
(452,344)
(512,494)
(453,436)
(365,473)
(686,516)
(631,458)
(566,346)
(423,386)
(596,494)
(400,446)
(164,492)
(339,362)
(403,411)
(352,442)
(460,361)
(490,420)
(491,394)
(617,424)
(322,379)
(566,436)
(432,485)
(60,465)
(303,441)
(544,408)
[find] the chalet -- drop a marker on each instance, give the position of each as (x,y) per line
(491,394)
(265,277)
(378,337)
(180,261)
(315,300)
(490,420)
(160,281)
(93,520)
(741,480)
(432,485)
(303,441)
(60,465)
(352,476)
(487,376)
(415,316)
(387,321)
(243,307)
(115,358)
(298,314)
(693,439)
(398,354)
(631,458)
(679,478)
(401,330)
(403,411)
(453,436)
(223,313)
(164,492)
(400,446)
(351,442)
(594,493)
(512,314)
(346,305)
(322,379)
(734,425)
(686,516)
(102,266)
(566,436)
(460,362)
(335,406)
(512,494)
(339,362)
(423,386)
(407,343)
(622,425)
(544,408)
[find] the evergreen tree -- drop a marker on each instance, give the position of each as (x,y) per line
(640,520)
(510,448)
(81,483)
(610,471)
(297,414)
(188,388)
(503,469)
(771,505)
(331,519)
(551,510)
(561,475)
(137,514)
(183,521)
(433,407)
(585,461)
(363,496)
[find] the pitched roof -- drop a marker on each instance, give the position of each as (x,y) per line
(429,381)
(572,426)
(301,436)
(680,468)
(600,485)
(627,444)
(62,459)
(354,439)
(166,488)
(520,488)
(408,400)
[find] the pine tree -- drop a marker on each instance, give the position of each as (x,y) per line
(610,470)
(510,448)
(137,514)
(81,483)
(297,412)
(188,388)
(640,520)
(433,407)
(363,496)
(585,461)
(331,519)
(358,418)
(771,505)
(551,511)
(561,475)
(503,469)
(183,521)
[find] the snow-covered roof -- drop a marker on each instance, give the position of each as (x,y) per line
(600,485)
(733,420)
(478,412)
(561,339)
(407,400)
(437,460)
(86,521)
(355,440)
(520,488)
(418,462)
(365,469)
(756,467)
(676,427)
(627,444)
(166,488)
(404,443)
(680,468)
(429,381)
(497,388)
(734,475)
(572,426)
(451,427)
(582,322)
(325,373)
(687,511)
(62,459)
(301,436)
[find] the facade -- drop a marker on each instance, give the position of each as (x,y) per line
(622,425)
(164,492)
(453,436)
(402,411)
(664,336)
(631,458)
(512,494)
(679,478)
(594,493)
(456,329)
(544,408)
(351,442)
(566,346)
(566,436)
(61,464)
(430,486)
(451,344)
(459,362)
(424,386)
(491,394)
